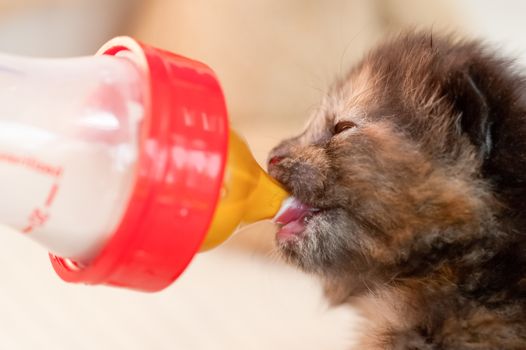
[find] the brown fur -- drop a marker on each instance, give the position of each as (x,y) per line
(423,202)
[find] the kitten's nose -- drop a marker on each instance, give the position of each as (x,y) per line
(275,160)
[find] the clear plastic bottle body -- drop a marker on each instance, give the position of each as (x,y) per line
(69,131)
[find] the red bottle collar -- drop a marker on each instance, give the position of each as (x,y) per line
(182,155)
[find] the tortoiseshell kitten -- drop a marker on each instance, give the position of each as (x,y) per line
(416,165)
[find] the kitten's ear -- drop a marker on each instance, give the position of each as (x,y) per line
(469,97)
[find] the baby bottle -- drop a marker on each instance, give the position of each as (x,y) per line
(123,164)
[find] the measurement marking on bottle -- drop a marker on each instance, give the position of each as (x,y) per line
(40,215)
(32,163)
(51,195)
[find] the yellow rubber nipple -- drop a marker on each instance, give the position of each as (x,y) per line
(248,194)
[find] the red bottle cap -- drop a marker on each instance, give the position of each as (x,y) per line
(182,154)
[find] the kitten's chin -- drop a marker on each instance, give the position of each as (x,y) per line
(298,227)
(315,241)
(295,241)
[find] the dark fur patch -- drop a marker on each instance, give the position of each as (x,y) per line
(424,200)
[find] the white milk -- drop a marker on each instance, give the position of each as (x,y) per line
(68,148)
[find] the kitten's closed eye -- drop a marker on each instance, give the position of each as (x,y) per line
(342,126)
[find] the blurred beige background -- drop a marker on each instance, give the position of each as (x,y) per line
(275,59)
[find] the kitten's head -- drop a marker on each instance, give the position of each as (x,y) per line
(401,160)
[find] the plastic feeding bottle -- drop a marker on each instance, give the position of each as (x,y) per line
(123,164)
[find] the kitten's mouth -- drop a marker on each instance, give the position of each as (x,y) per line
(293,218)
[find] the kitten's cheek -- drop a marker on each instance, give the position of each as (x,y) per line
(280,170)
(287,174)
(274,171)
(304,180)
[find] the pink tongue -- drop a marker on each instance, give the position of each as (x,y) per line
(291,218)
(292,211)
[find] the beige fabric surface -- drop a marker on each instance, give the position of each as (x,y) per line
(227,300)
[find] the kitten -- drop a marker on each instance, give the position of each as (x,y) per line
(412,180)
